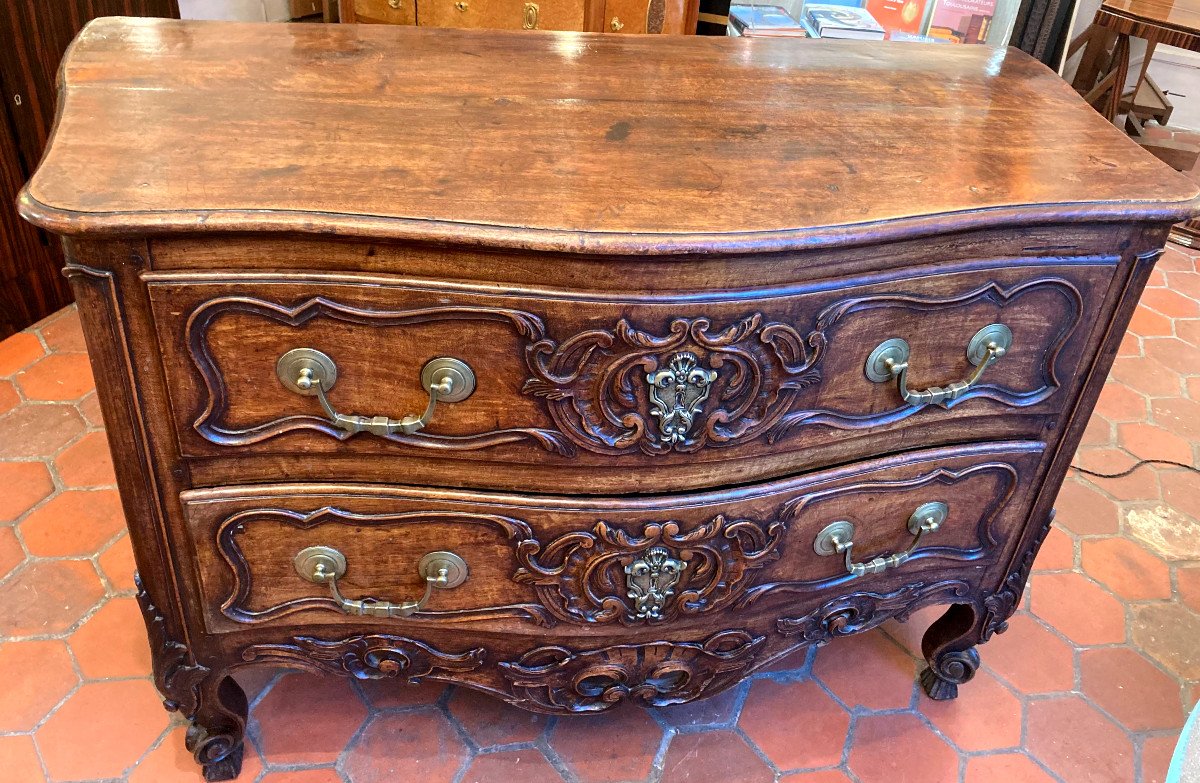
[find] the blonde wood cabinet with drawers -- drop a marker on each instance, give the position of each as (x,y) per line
(551,376)
(616,16)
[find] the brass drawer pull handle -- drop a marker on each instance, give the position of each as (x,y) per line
(889,361)
(838,539)
(616,25)
(309,372)
(529,19)
(394,3)
(323,564)
(461,5)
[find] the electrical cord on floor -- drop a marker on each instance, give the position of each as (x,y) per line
(1135,466)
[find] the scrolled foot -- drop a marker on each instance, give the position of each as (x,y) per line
(215,735)
(942,678)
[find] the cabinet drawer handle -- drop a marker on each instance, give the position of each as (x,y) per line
(838,539)
(889,361)
(309,372)
(394,4)
(616,25)
(529,18)
(323,564)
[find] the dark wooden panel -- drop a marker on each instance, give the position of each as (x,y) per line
(33,36)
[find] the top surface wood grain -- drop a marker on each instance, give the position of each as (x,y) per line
(570,141)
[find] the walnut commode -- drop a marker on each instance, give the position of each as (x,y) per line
(581,369)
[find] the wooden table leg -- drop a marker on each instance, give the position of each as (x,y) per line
(1121,68)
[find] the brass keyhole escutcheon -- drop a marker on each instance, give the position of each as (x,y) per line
(616,24)
(461,5)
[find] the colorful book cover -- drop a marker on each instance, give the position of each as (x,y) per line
(898,16)
(839,21)
(961,21)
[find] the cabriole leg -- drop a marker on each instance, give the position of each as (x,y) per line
(949,649)
(218,727)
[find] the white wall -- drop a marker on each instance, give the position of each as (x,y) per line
(243,10)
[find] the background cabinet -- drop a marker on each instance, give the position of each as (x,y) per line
(610,16)
(33,36)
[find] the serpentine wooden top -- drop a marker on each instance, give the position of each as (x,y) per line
(568,141)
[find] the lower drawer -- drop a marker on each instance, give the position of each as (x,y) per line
(503,14)
(627,567)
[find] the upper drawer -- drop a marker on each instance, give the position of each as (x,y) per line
(503,14)
(772,380)
(385,11)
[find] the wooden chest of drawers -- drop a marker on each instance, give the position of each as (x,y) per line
(669,17)
(492,389)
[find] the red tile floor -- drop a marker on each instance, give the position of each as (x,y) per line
(1091,682)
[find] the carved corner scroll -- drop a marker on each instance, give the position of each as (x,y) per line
(703,386)
(236,605)
(999,606)
(367,657)
(176,673)
(208,423)
(559,680)
(609,575)
(854,612)
(1069,318)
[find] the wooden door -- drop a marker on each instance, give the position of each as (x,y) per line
(33,36)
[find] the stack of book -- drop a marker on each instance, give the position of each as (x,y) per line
(770,21)
(842,21)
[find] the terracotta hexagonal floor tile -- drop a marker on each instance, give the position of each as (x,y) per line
(1148,323)
(1156,758)
(1188,581)
(527,766)
(1147,375)
(87,462)
(19,760)
(908,633)
(19,351)
(1119,403)
(11,553)
(1193,385)
(390,694)
(1179,415)
(324,775)
(1085,511)
(36,431)
(490,721)
(73,523)
(1005,768)
(419,745)
(25,699)
(1181,491)
(25,485)
(891,748)
(48,597)
(89,408)
(61,376)
(1165,531)
(1168,634)
(714,710)
(823,776)
(1078,608)
(65,334)
(1126,568)
(1170,303)
(1173,353)
(772,713)
(112,643)
(1149,441)
(1057,552)
(1186,283)
(617,745)
(883,676)
(1130,688)
(1078,743)
(1050,671)
(1131,345)
(985,716)
(1098,432)
(172,762)
(82,740)
(8,397)
(118,566)
(713,757)
(292,732)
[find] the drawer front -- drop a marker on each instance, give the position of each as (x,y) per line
(503,14)
(673,385)
(610,567)
(384,11)
(645,16)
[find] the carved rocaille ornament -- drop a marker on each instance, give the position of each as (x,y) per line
(854,612)
(556,679)
(704,386)
(176,672)
(610,575)
(366,657)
